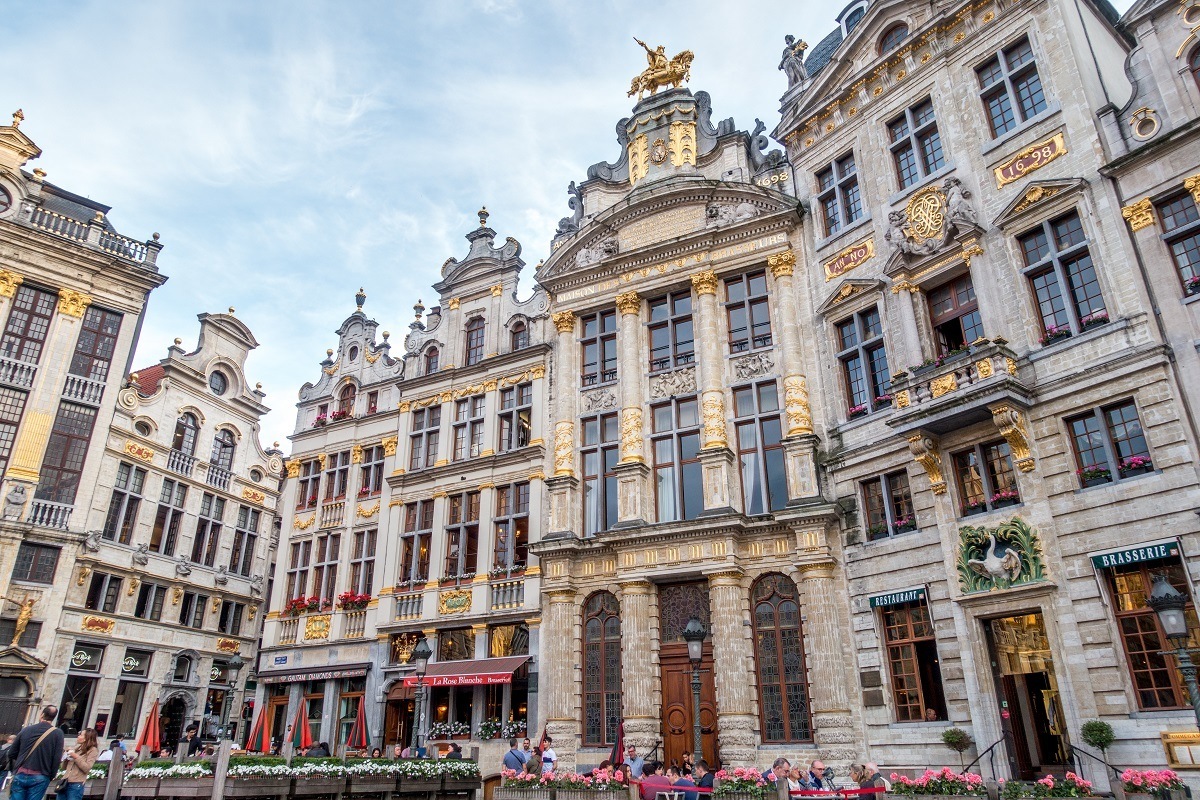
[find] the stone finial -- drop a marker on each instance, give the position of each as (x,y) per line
(258,387)
(419,308)
(386,334)
(360,298)
(154,236)
(483,217)
(231,310)
(18,117)
(275,445)
(178,341)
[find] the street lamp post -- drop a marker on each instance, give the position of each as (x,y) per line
(1168,604)
(694,633)
(234,665)
(420,659)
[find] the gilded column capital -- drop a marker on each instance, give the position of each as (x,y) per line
(1192,184)
(9,281)
(389,445)
(816,570)
(781,264)
(293,468)
(635,586)
(1140,214)
(629,303)
(356,454)
(564,321)
(729,577)
(73,303)
(705,282)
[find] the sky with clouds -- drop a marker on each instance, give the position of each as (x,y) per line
(289,152)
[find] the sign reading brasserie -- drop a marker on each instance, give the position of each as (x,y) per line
(1136,555)
(898,598)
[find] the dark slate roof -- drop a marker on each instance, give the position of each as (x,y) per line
(69,204)
(819,56)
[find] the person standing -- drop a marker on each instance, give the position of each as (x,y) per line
(80,759)
(192,737)
(34,757)
(637,765)
(526,749)
(513,759)
(5,752)
(549,757)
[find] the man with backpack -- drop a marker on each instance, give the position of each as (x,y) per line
(34,757)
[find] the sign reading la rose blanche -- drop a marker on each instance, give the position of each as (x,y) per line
(461,680)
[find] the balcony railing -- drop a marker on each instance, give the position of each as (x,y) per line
(58,224)
(122,246)
(93,234)
(83,390)
(17,373)
(181,462)
(287,630)
(333,513)
(355,624)
(507,594)
(218,477)
(408,606)
(48,514)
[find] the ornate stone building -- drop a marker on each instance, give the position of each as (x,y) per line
(72,294)
(422,502)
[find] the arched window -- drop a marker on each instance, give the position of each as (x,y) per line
(474,353)
(222,452)
(431,361)
(183,669)
(779,656)
(892,38)
(601,669)
(346,400)
(520,336)
(186,428)
(1194,64)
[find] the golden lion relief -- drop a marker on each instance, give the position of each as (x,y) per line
(661,72)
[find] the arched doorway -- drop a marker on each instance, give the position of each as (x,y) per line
(174,717)
(14,704)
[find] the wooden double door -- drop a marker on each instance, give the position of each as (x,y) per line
(678,705)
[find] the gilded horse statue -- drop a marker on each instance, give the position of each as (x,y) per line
(661,72)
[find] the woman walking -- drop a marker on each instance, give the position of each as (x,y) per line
(80,759)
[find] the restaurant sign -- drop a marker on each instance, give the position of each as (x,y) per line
(898,598)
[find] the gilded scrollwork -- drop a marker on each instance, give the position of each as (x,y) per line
(1192,184)
(389,445)
(631,435)
(782,264)
(712,410)
(1012,427)
(317,626)
(795,405)
(9,281)
(1139,215)
(924,451)
(356,454)
(73,303)
(293,468)
(683,143)
(564,444)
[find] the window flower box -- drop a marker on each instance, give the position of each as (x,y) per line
(877,531)
(856,411)
(1054,333)
(1094,320)
(883,400)
(352,601)
(339,415)
(490,729)
(941,783)
(930,364)
(321,421)
(1192,286)
(904,525)
(1136,465)
(1005,498)
(1094,475)
(971,509)
(514,727)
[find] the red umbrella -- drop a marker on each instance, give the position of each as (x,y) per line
(301,733)
(358,731)
(151,734)
(258,741)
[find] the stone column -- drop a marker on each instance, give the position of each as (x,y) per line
(638,678)
(799,441)
(735,695)
(562,483)
(716,459)
(558,686)
(833,724)
(634,494)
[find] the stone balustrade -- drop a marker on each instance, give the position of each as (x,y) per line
(332,514)
(288,629)
(507,594)
(92,234)
(408,606)
(49,514)
(17,373)
(79,389)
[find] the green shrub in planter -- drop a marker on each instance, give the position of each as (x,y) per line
(957,740)
(1098,734)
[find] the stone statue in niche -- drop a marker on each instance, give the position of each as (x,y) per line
(14,503)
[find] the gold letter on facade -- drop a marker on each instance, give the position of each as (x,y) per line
(924,451)
(1012,427)
(795,405)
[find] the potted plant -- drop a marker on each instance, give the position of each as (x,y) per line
(1136,465)
(740,783)
(258,776)
(514,728)
(490,729)
(1071,785)
(339,415)
(972,507)
(320,421)
(1094,320)
(877,531)
(524,786)
(905,524)
(1054,333)
(440,730)
(883,400)
(1192,285)
(1005,497)
(1143,784)
(352,601)
(857,411)
(460,730)
(938,783)
(957,740)
(1094,475)
(364,492)
(295,607)
(1098,734)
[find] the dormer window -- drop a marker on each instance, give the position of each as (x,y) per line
(520,336)
(853,16)
(474,350)
(431,360)
(892,38)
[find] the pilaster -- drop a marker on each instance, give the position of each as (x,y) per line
(558,682)
(635,498)
(639,678)
(824,632)
(800,463)
(735,695)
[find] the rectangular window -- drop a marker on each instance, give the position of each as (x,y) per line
(245,540)
(329,550)
(415,543)
(372,402)
(423,441)
(308,487)
(598,348)
(362,562)
(474,352)
(887,502)
(1157,682)
(508,640)
(125,502)
(63,462)
(12,405)
(457,644)
(29,639)
(370,478)
(337,476)
(104,592)
(208,530)
(838,194)
(954,313)
(36,563)
(1011,88)
(986,478)
(1109,444)
(229,621)
(748,312)
(516,417)
(677,474)
(1180,225)
(28,323)
(297,575)
(191,609)
(96,344)
(916,145)
(151,597)
(600,453)
(760,447)
(865,375)
(462,537)
(672,340)
(169,516)
(1058,264)
(913,663)
(511,551)
(468,427)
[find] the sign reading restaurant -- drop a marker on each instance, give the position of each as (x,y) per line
(1136,555)
(898,598)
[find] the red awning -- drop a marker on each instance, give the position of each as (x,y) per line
(479,672)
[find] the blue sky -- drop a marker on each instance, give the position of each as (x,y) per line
(290,152)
